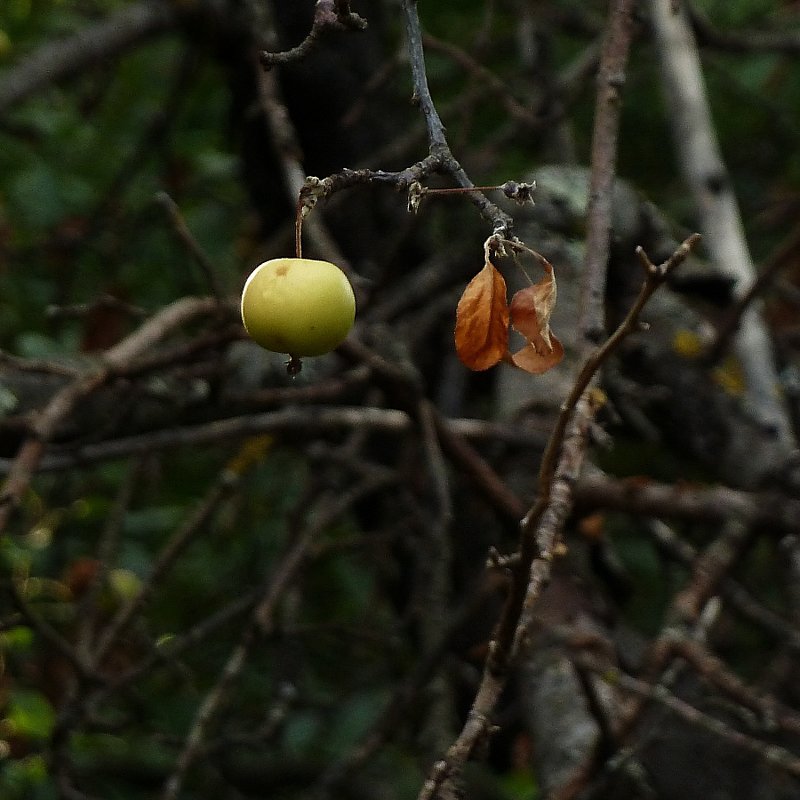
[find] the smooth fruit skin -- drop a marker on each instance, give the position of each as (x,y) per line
(298,306)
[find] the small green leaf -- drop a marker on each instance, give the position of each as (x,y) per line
(30,714)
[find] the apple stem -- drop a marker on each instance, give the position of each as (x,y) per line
(298,229)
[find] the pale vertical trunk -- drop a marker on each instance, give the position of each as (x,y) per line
(718,212)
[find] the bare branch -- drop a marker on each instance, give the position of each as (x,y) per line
(439,148)
(771,753)
(191,244)
(330,508)
(712,504)
(30,453)
(765,41)
(608,102)
(540,535)
(778,260)
(329,16)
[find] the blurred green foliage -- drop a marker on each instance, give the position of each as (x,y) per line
(80,166)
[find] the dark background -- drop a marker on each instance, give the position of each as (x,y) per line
(225,583)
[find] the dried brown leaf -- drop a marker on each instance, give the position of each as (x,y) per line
(530,313)
(532,360)
(482,319)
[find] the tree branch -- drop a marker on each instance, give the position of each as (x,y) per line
(329,16)
(605,133)
(43,427)
(439,149)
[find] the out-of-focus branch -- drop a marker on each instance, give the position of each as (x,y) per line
(777,261)
(685,616)
(499,89)
(752,41)
(284,135)
(605,134)
(561,465)
(191,244)
(57,61)
(645,692)
(61,404)
(311,421)
(331,506)
(720,220)
(540,537)
(192,527)
(710,504)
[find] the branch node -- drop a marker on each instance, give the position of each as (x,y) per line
(521,193)
(649,267)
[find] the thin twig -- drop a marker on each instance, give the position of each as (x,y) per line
(437,141)
(331,507)
(605,133)
(655,276)
(714,504)
(752,41)
(179,541)
(540,531)
(779,259)
(191,244)
(771,753)
(329,16)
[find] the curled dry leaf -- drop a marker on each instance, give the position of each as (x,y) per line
(531,360)
(482,319)
(530,313)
